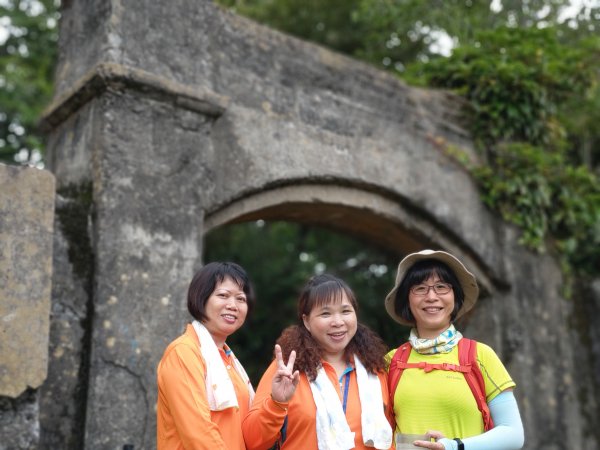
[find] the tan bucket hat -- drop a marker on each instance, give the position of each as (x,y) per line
(465,278)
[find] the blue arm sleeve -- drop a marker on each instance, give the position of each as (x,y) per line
(507,433)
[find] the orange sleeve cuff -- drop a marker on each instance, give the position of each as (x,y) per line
(274,405)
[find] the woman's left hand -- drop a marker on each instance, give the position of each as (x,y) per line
(286,379)
(433,445)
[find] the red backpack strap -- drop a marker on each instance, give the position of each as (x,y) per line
(467,356)
(396,368)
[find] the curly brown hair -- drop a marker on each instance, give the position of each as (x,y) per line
(366,344)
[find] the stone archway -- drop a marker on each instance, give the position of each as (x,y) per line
(171,118)
(371,216)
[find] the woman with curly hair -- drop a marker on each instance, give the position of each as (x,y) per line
(336,398)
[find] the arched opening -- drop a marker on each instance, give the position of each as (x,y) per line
(285,235)
(370,216)
(279,257)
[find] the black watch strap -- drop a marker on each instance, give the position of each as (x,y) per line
(461,446)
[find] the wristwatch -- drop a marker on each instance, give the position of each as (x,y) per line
(461,446)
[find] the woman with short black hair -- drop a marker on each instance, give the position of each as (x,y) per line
(203,390)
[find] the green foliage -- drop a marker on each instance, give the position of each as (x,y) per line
(328,24)
(539,192)
(516,81)
(280,257)
(403,31)
(398,33)
(27,59)
(580,116)
(523,85)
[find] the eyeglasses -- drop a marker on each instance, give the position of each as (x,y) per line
(423,289)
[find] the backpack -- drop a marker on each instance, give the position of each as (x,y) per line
(467,360)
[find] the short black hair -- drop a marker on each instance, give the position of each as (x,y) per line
(419,272)
(205,281)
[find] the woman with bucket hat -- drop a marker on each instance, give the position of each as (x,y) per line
(448,392)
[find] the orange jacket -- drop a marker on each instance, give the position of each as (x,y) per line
(183,417)
(263,423)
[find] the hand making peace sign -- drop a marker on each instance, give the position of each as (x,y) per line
(286,379)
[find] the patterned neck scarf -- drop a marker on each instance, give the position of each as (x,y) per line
(441,344)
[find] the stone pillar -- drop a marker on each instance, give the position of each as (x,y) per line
(26,226)
(133,158)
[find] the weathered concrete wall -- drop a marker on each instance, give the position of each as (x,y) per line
(174,117)
(62,423)
(26,227)
(129,287)
(303,105)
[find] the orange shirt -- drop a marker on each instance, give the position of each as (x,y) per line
(183,417)
(263,423)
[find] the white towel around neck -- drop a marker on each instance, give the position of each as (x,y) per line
(219,387)
(333,432)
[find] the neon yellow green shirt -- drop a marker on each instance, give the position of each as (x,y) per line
(442,400)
